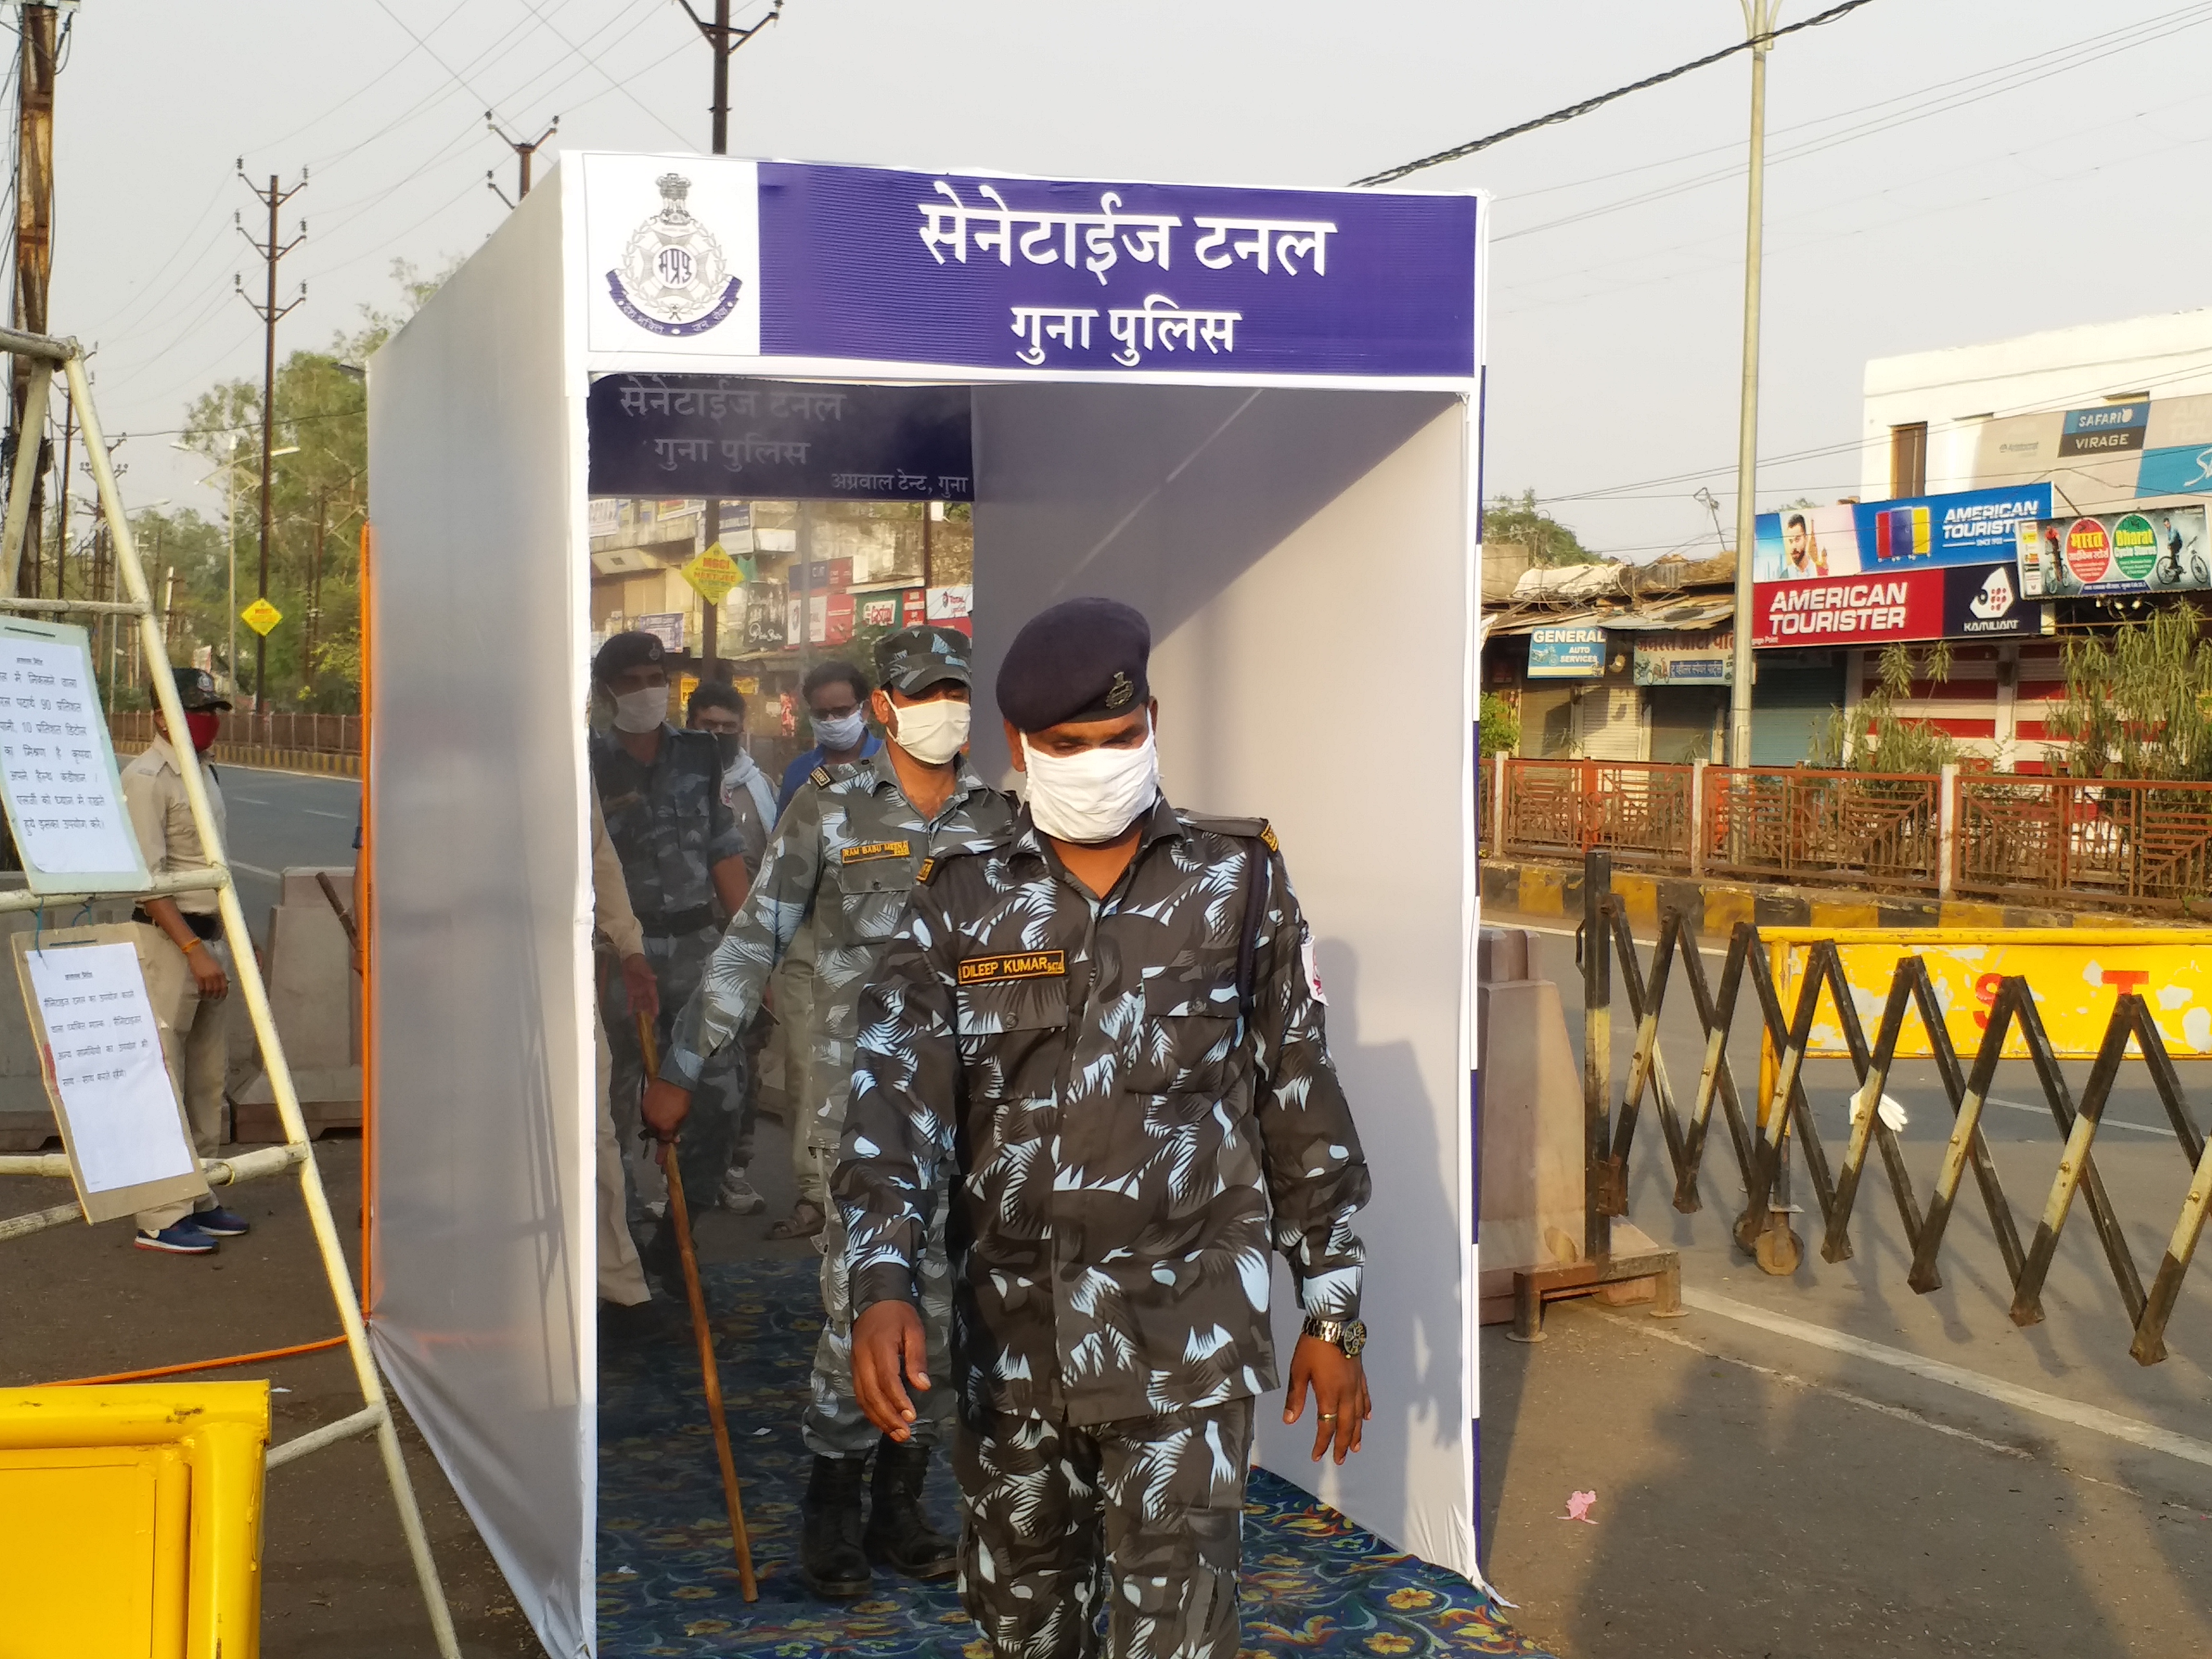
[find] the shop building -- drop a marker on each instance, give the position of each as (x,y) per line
(1613,662)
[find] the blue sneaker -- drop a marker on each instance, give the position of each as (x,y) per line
(220,1223)
(179,1238)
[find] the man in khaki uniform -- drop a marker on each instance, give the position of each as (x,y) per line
(182,954)
(622,1277)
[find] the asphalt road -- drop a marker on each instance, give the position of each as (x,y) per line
(2121,1453)
(281,819)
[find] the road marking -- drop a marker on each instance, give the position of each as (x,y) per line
(317,812)
(1571,932)
(287,771)
(1901,1413)
(2092,1418)
(2044,1112)
(248,801)
(255,869)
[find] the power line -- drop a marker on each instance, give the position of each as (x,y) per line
(1572,110)
(1939,100)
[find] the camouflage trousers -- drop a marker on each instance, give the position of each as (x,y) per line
(1054,1513)
(835,1425)
(720,1129)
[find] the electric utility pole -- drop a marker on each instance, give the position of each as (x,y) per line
(523,155)
(271,251)
(724,38)
(1760,17)
(34,248)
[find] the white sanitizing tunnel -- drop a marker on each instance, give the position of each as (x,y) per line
(1256,414)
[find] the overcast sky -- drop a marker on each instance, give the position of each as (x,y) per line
(1941,171)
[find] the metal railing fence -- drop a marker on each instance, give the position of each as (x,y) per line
(2113,842)
(323,735)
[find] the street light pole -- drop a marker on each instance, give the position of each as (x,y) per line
(230,538)
(1759,20)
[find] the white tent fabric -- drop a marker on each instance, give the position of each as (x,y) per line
(1303,536)
(1322,704)
(482,1310)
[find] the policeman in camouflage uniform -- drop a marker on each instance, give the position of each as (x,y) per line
(660,790)
(833,887)
(1109,1029)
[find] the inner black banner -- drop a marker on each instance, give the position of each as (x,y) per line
(720,436)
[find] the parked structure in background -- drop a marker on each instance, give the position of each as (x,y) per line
(1611,661)
(2013,494)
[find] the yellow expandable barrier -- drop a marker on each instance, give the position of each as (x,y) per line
(130,1521)
(2076,974)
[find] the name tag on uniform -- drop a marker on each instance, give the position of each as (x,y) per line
(1029,964)
(877,849)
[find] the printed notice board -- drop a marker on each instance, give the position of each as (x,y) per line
(100,1052)
(57,775)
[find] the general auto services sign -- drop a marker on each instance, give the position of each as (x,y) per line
(1906,605)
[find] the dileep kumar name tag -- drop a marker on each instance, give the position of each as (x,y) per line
(1027,964)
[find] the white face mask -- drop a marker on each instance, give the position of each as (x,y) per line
(1093,796)
(842,733)
(933,733)
(641,711)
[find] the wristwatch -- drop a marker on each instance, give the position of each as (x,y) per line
(1348,1334)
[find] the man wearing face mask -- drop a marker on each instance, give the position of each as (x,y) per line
(660,790)
(833,888)
(182,953)
(836,698)
(718,710)
(1105,1035)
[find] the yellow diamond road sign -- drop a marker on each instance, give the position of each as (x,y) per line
(261,617)
(712,574)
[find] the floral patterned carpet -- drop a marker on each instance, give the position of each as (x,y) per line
(1313,1583)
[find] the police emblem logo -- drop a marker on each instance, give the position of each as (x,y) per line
(673,278)
(1119,693)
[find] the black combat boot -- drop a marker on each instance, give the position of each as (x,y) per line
(899,1533)
(830,1558)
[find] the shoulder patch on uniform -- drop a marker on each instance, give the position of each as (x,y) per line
(1016,965)
(822,777)
(936,863)
(1243,828)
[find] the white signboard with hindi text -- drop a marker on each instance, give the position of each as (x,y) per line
(100,1050)
(58,776)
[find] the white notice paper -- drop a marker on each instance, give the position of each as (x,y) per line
(57,766)
(122,1114)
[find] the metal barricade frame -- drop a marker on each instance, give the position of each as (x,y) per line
(1784,1111)
(64,355)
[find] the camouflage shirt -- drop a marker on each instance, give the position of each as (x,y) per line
(667,822)
(1124,1138)
(833,887)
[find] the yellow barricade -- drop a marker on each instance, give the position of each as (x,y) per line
(2075,974)
(130,1521)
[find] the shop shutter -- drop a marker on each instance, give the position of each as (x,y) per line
(1790,707)
(1683,720)
(1547,721)
(1613,723)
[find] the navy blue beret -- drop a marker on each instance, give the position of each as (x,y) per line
(1082,659)
(623,652)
